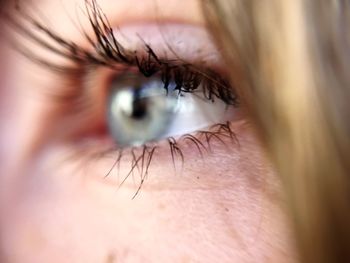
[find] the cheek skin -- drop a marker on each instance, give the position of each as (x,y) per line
(67,216)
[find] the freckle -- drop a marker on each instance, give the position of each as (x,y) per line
(111,258)
(161,206)
(226,209)
(197,177)
(186,259)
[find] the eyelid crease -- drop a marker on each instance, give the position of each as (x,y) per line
(178,43)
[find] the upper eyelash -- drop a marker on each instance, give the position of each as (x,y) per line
(108,52)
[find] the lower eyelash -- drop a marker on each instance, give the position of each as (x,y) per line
(142,157)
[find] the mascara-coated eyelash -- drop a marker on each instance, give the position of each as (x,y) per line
(108,52)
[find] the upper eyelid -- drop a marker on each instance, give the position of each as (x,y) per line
(71,49)
(43,36)
(39,34)
(119,13)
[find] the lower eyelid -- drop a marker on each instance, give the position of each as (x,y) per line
(145,166)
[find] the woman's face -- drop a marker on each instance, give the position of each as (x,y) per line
(208,197)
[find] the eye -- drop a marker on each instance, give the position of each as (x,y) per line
(138,93)
(141,110)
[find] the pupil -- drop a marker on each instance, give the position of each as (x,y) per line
(139,108)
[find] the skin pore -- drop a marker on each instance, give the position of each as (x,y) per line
(226,206)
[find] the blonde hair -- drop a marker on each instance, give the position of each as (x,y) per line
(291,61)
